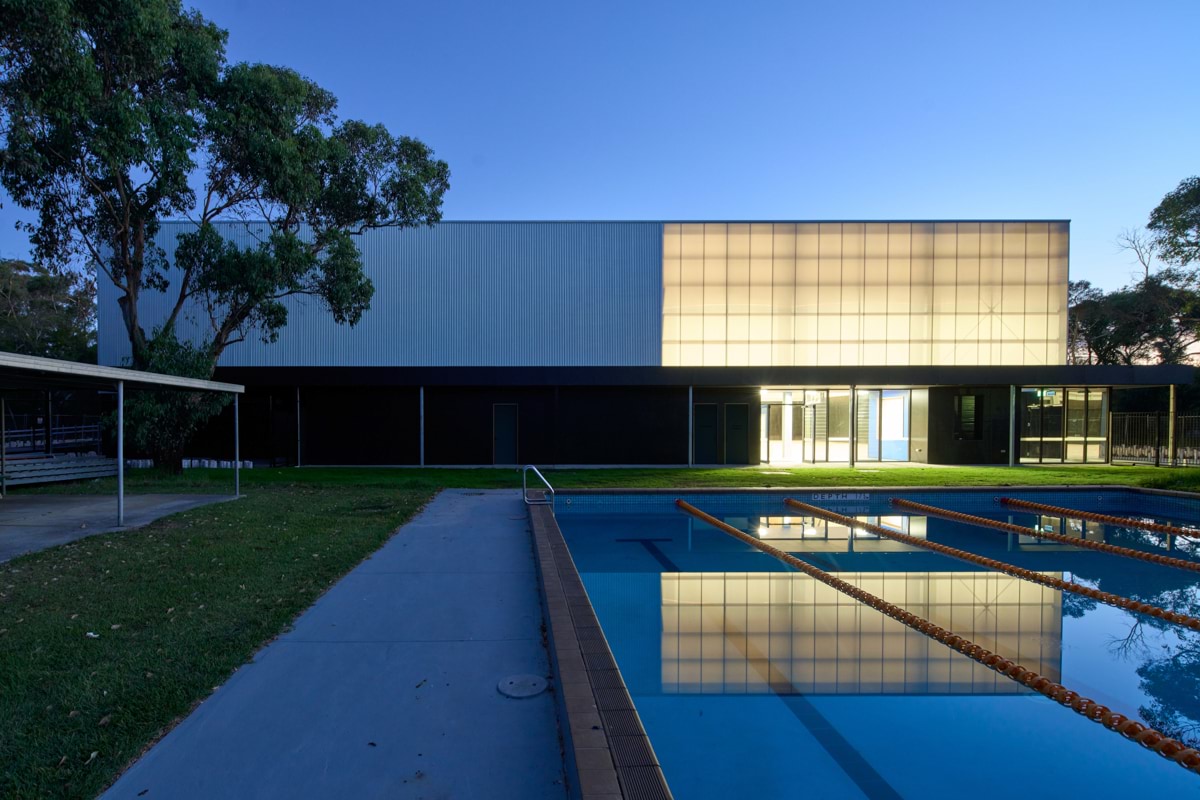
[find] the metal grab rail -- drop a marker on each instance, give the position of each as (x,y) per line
(525,487)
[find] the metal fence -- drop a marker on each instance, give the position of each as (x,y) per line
(1144,438)
(27,433)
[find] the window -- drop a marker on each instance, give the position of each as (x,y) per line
(968,416)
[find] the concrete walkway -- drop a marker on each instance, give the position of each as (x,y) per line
(29,523)
(387,686)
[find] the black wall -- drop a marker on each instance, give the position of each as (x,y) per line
(458,423)
(267,417)
(992,445)
(722,398)
(380,425)
(361,425)
(622,425)
(559,425)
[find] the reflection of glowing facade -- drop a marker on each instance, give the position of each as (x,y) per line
(804,534)
(745,633)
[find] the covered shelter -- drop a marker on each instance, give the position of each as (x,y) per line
(23,373)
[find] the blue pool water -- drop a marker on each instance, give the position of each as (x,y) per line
(753,680)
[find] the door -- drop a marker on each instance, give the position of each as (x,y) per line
(737,433)
(707,443)
(504,433)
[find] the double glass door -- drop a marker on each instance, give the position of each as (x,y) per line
(813,426)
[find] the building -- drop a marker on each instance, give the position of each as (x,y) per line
(679,343)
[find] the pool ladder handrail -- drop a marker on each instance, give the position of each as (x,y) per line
(525,487)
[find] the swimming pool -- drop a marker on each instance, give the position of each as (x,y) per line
(753,679)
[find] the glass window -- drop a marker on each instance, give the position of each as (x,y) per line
(1097,413)
(839,414)
(1052,413)
(775,422)
(1076,413)
(797,423)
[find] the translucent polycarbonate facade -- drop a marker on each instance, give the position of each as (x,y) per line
(857,294)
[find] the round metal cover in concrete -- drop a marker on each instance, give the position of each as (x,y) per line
(520,687)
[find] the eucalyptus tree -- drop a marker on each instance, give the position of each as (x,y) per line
(1175,224)
(117,116)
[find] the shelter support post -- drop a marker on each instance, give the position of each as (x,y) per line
(421,415)
(120,453)
(1012,426)
(237,451)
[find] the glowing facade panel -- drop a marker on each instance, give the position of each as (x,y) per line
(858,294)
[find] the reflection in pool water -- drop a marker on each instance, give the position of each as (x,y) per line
(753,679)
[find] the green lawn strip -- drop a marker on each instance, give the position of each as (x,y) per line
(178,606)
(431,479)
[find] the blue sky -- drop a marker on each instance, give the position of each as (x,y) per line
(888,110)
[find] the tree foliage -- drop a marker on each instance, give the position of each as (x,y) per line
(47,313)
(1175,224)
(166,421)
(1079,292)
(1150,322)
(1157,319)
(115,116)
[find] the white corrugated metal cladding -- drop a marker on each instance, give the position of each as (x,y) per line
(461,294)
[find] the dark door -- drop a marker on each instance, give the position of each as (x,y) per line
(504,433)
(737,433)
(707,445)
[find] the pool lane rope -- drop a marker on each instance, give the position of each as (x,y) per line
(1170,749)
(958,516)
(1125,522)
(1126,603)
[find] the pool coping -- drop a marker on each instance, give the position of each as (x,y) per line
(605,746)
(1072,487)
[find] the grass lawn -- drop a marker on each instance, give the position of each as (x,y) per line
(177,605)
(180,604)
(431,479)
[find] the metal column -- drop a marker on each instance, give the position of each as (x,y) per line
(1012,426)
(853,422)
(120,452)
(237,451)
(297,426)
(421,415)
(1171,434)
(691,431)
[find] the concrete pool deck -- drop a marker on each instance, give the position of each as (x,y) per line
(29,523)
(387,685)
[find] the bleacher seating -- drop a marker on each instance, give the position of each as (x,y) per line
(24,470)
